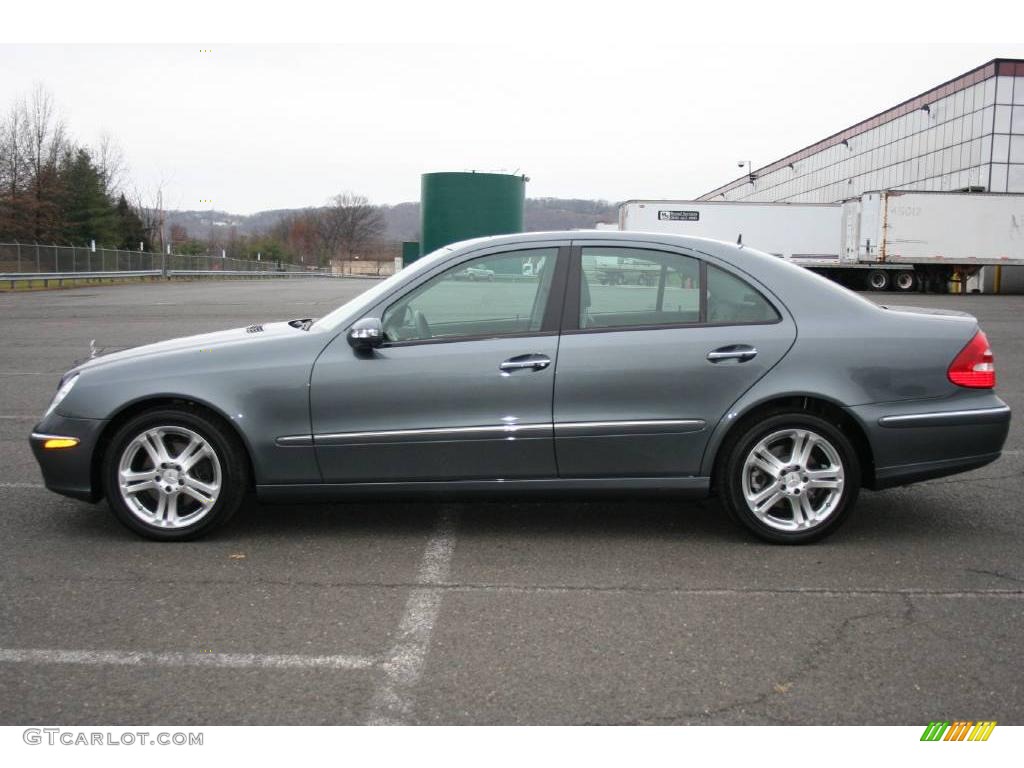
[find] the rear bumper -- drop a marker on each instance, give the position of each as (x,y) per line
(68,471)
(920,440)
(890,477)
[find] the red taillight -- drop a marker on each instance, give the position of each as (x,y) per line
(974,366)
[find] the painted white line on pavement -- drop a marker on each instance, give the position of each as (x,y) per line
(392,701)
(182,659)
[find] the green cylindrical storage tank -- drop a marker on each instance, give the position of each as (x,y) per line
(458,206)
(410,252)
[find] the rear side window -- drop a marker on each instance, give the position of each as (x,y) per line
(622,287)
(732,300)
(642,288)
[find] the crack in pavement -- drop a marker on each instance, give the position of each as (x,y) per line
(997,574)
(811,664)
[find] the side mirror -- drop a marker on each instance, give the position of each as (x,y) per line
(366,334)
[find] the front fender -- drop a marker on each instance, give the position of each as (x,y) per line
(263,392)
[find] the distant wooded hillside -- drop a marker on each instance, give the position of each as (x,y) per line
(402,221)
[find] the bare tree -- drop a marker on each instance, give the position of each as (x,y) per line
(348,224)
(150,210)
(109,158)
(15,175)
(14,148)
(47,142)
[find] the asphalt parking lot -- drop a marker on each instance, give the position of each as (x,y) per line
(607,612)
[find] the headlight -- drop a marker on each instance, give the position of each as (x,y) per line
(62,392)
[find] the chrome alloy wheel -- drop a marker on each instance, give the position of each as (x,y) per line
(169,477)
(793,480)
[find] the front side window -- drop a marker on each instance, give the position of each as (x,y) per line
(622,287)
(497,295)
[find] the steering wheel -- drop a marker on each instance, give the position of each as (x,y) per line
(422,326)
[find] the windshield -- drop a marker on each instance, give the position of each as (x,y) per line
(339,315)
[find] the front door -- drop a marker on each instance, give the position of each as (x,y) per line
(461,390)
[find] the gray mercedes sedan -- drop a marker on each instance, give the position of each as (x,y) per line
(585,362)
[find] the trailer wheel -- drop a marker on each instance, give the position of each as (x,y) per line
(878,280)
(905,281)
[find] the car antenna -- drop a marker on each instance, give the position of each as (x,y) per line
(739,240)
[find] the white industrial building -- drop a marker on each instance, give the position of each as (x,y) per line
(966,134)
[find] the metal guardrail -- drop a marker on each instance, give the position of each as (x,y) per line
(243,273)
(60,277)
(72,275)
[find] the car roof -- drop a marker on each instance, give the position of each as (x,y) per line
(703,244)
(585,234)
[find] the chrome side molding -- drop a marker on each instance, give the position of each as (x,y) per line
(993,415)
(500,431)
(489,432)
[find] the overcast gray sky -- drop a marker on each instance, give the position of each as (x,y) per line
(261,127)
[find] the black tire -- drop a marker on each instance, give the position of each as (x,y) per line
(878,280)
(232,467)
(732,466)
(905,281)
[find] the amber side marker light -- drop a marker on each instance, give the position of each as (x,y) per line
(60,442)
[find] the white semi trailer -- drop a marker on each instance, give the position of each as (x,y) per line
(889,240)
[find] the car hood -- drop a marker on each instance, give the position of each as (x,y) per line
(253,334)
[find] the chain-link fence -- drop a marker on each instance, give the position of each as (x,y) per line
(177,261)
(36,258)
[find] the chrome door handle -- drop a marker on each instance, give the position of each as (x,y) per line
(525,362)
(740,352)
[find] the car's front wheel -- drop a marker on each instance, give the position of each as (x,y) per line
(174,474)
(790,478)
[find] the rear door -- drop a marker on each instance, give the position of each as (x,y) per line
(657,343)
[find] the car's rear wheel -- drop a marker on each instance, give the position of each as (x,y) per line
(174,474)
(790,478)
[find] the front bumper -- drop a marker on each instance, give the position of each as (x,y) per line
(924,439)
(69,471)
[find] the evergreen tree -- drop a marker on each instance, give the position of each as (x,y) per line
(131,230)
(86,212)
